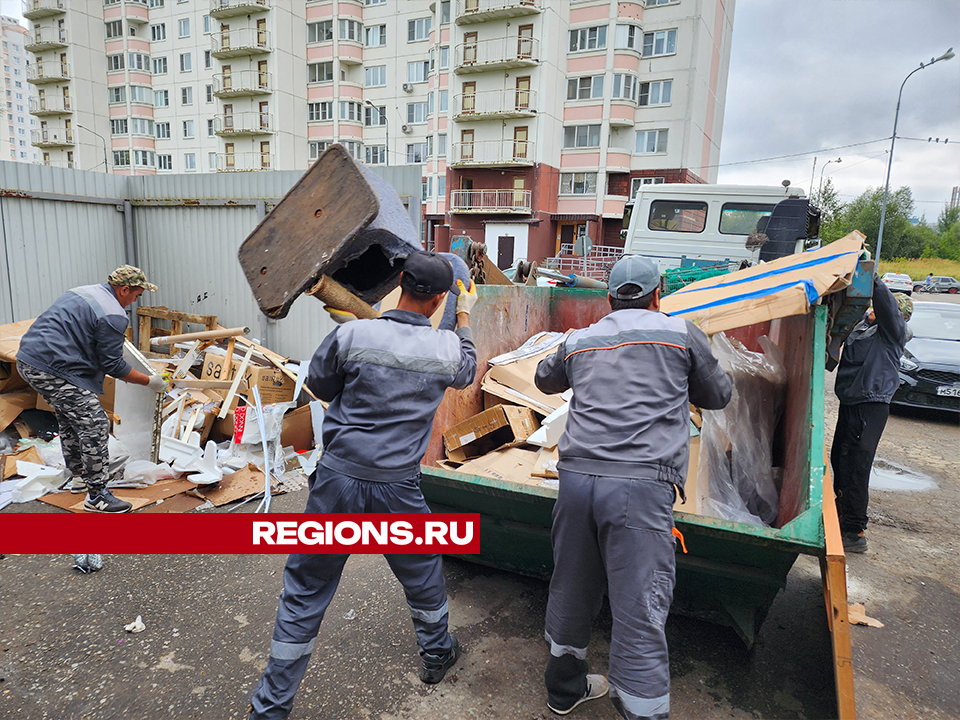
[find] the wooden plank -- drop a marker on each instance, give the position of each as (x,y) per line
(834,574)
(225,408)
(161,313)
(228,361)
(144,334)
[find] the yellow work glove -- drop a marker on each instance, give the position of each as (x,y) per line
(339,316)
(158,383)
(467,298)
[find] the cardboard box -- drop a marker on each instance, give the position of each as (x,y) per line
(499,427)
(296,431)
(12,404)
(511,464)
(10,380)
(515,382)
(275,387)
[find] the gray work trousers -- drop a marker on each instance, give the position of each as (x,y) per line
(614,534)
(310,582)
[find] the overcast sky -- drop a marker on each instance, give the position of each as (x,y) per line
(810,75)
(818,74)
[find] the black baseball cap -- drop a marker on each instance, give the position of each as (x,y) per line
(427,273)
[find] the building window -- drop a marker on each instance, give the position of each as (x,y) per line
(426,188)
(578,183)
(190,162)
(210,130)
(374,116)
(351,30)
(158,32)
(114,29)
(115,62)
(121,158)
(320,72)
(592,38)
(320,111)
(161,98)
(164,162)
(144,158)
(376,154)
(375,36)
(320,31)
(444,12)
(418,29)
(663,42)
(354,148)
(118,127)
(207,59)
(209,93)
(444,100)
(625,87)
(163,130)
(140,94)
(417,113)
(184,27)
(417,72)
(578,136)
(416,152)
(585,88)
(444,57)
(352,111)
(442,145)
(117,94)
(637,183)
(628,36)
(156,3)
(375,76)
(207,25)
(656,93)
(652,3)
(651,141)
(368,3)
(212,161)
(186,95)
(140,62)
(188,129)
(315,148)
(186,62)
(160,66)
(442,187)
(141,126)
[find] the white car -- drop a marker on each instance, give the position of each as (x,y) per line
(898,282)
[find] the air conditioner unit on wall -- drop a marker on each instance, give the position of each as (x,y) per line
(408,87)
(406,128)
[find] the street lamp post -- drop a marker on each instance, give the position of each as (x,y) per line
(386,128)
(820,189)
(106,167)
(886,188)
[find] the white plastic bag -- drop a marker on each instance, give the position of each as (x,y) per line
(736,444)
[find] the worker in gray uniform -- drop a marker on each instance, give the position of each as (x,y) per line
(384,380)
(623,456)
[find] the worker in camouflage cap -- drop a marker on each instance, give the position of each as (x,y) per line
(906,306)
(130,276)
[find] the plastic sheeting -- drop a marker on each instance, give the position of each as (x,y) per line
(736,445)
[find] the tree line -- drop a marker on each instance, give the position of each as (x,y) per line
(901,238)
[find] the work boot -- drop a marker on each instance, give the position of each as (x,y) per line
(104,501)
(436,666)
(597,687)
(854,542)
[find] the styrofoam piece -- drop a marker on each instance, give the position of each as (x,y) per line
(207,465)
(181,455)
(308,462)
(38,480)
(136,406)
(552,427)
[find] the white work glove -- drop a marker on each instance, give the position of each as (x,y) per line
(467,298)
(339,316)
(158,384)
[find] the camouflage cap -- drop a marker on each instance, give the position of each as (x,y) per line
(130,276)
(905,304)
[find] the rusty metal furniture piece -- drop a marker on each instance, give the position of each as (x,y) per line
(341,221)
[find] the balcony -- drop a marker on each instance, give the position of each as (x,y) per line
(52,138)
(39,9)
(475,11)
(231,8)
(243,123)
(245,161)
(40,73)
(496,54)
(495,104)
(465,202)
(51,105)
(240,42)
(244,83)
(493,153)
(46,38)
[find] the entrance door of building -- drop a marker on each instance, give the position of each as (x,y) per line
(505,251)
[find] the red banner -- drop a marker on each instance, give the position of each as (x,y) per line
(247,533)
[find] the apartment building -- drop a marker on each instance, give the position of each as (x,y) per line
(15,119)
(534,120)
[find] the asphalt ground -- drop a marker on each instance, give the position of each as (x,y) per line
(64,653)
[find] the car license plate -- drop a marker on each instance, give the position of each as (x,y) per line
(948,391)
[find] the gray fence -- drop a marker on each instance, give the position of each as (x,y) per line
(63,228)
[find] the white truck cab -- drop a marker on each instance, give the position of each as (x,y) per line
(683,224)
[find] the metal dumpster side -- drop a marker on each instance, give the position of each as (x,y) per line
(732,571)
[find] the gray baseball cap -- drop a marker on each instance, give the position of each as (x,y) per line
(633,270)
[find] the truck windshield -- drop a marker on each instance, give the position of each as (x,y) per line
(677,216)
(744,218)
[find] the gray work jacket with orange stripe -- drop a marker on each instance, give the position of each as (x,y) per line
(633,373)
(384,380)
